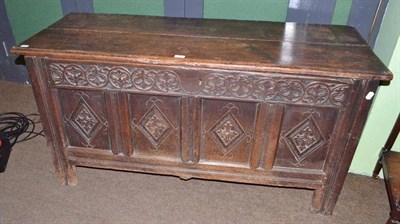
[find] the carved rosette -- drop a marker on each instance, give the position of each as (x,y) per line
(338,95)
(215,85)
(154,125)
(240,86)
(265,89)
(74,75)
(85,121)
(143,79)
(290,91)
(316,93)
(120,78)
(304,139)
(227,132)
(168,82)
(97,77)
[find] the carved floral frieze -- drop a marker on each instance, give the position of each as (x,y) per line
(276,89)
(242,86)
(114,77)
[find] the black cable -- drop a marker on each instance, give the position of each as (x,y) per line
(18,127)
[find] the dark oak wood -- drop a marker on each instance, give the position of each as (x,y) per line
(391,172)
(279,104)
(390,162)
(290,47)
(387,147)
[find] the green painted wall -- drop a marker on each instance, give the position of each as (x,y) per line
(268,10)
(389,31)
(28,17)
(342,12)
(134,7)
(387,103)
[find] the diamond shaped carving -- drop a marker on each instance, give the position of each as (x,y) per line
(155,126)
(85,121)
(304,139)
(227,132)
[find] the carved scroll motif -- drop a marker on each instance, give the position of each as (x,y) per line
(242,86)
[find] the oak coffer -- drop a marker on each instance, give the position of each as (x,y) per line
(279,104)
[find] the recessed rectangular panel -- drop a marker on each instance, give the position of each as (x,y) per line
(305,137)
(85,118)
(155,126)
(227,129)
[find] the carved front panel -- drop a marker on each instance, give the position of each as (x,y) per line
(155,126)
(227,129)
(305,137)
(85,118)
(150,118)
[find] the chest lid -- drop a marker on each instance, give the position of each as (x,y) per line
(292,48)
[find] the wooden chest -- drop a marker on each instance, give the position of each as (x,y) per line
(279,104)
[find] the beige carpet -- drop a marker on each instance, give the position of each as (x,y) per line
(30,193)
